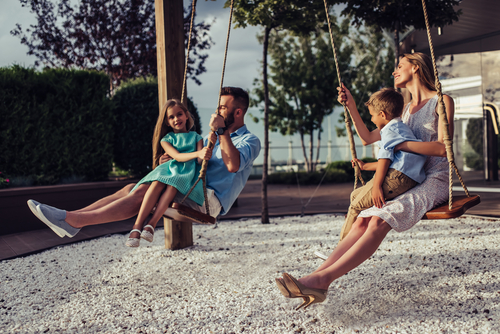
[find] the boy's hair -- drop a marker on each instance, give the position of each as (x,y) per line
(387,100)
(240,96)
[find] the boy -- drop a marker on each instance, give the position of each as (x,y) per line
(395,172)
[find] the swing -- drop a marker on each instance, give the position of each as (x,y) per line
(443,211)
(179,211)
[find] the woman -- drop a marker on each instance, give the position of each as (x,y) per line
(414,73)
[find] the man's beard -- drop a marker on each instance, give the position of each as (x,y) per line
(229,120)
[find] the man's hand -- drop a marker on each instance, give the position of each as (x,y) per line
(360,163)
(216,122)
(164,158)
(205,153)
(378,197)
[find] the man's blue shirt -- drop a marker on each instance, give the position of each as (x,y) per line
(410,164)
(227,186)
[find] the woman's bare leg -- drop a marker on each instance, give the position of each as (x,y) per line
(120,209)
(359,252)
(108,199)
(358,229)
(149,201)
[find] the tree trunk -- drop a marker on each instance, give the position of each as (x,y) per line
(265,209)
(396,47)
(311,161)
(317,149)
(306,164)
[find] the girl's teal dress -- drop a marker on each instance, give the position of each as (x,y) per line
(181,175)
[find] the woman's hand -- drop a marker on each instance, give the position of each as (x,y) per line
(378,197)
(205,153)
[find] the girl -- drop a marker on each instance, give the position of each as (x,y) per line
(178,174)
(414,73)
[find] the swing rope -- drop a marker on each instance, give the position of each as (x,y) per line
(204,165)
(357,170)
(193,9)
(448,141)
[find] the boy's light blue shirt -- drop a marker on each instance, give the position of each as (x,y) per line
(410,164)
(227,186)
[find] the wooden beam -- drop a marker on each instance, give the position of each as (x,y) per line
(178,234)
(169,49)
(170,58)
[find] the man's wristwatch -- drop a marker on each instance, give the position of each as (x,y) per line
(221,131)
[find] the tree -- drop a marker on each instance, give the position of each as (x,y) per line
(114,36)
(298,16)
(303,80)
(399,15)
(371,69)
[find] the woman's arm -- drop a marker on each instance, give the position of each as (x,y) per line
(433,148)
(367,137)
(204,153)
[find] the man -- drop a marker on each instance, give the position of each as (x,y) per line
(228,169)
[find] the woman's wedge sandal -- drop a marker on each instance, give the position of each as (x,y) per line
(299,289)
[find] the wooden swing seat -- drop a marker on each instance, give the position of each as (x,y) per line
(185,214)
(460,204)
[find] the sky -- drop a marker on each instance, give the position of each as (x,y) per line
(243,65)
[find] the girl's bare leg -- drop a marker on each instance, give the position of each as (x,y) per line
(149,201)
(364,247)
(120,209)
(108,199)
(166,198)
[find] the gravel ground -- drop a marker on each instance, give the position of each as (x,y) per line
(439,277)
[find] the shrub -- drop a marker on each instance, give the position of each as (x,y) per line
(55,124)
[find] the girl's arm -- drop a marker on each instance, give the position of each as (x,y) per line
(183,157)
(367,137)
(433,148)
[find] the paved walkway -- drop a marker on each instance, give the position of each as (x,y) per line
(283,200)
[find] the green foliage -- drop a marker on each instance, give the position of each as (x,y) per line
(346,166)
(391,14)
(55,124)
(298,16)
(136,114)
(371,67)
(474,160)
(4,181)
(474,134)
(336,172)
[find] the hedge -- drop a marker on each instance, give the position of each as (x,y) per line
(55,124)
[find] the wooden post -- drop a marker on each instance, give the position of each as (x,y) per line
(178,235)
(170,59)
(169,49)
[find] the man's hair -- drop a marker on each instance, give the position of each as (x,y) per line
(387,100)
(240,96)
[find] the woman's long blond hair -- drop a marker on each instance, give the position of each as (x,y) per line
(425,72)
(162,128)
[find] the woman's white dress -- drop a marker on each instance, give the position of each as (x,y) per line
(407,209)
